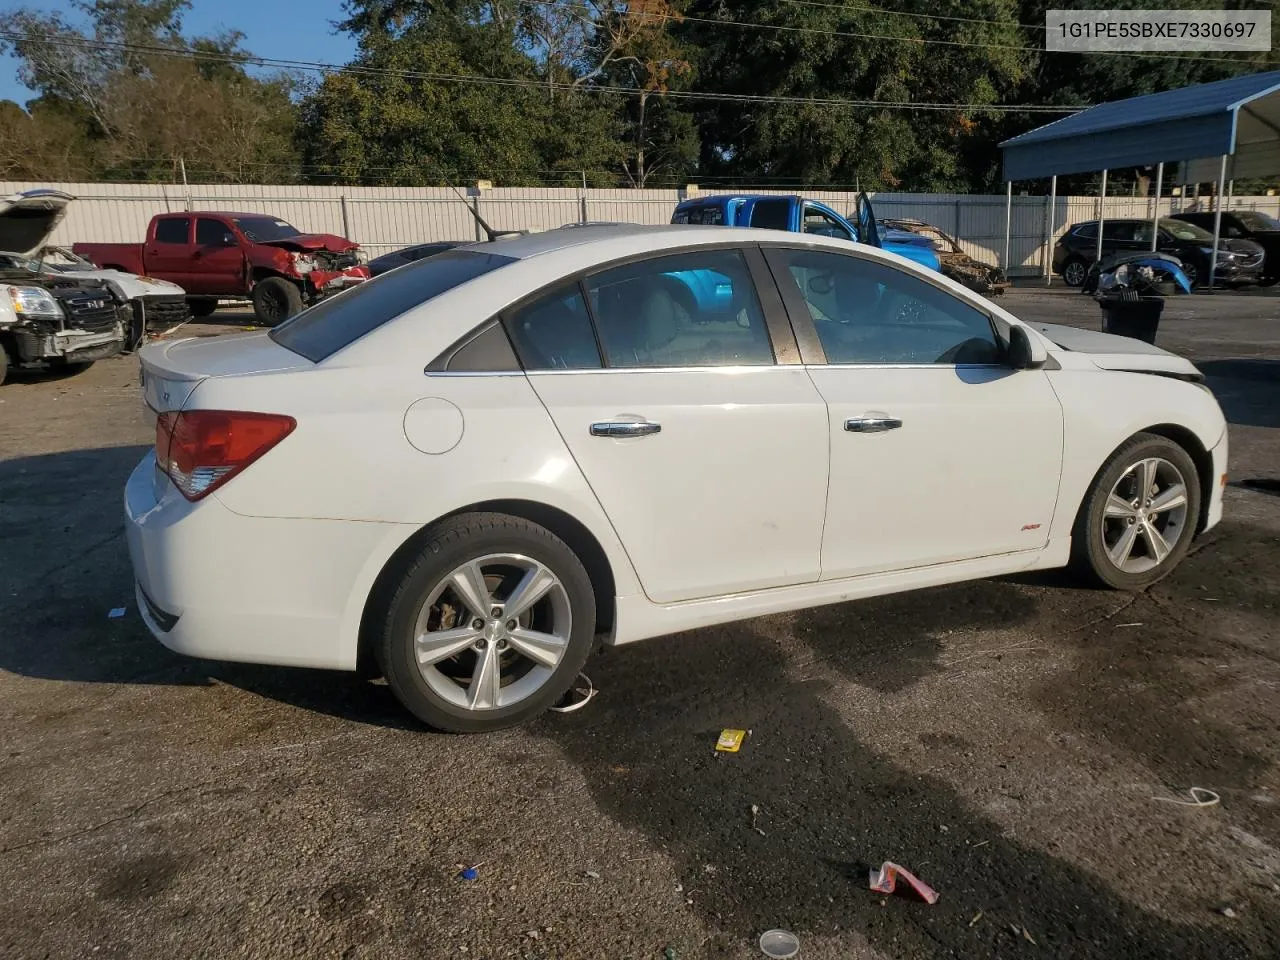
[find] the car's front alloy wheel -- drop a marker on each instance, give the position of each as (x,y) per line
(489,626)
(1140,515)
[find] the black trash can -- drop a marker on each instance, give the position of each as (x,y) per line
(1138,319)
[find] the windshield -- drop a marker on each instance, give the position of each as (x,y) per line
(1182,230)
(264,229)
(1257,221)
(11,261)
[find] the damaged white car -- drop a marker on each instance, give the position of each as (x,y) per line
(28,219)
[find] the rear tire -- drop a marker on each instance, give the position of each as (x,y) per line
(1074,272)
(4,363)
(275,299)
(435,643)
(202,306)
(1139,516)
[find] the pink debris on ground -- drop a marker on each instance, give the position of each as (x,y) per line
(884,880)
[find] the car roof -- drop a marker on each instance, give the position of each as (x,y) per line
(576,235)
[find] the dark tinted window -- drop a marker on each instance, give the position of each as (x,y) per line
(210,231)
(707,216)
(771,214)
(1086,231)
(688,310)
(175,230)
(320,331)
(866,312)
(487,352)
(554,332)
(1119,230)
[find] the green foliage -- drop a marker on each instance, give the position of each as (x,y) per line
(621,90)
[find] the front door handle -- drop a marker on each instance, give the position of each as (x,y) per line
(872,424)
(625,428)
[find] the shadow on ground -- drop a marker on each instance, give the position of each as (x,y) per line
(830,808)
(1248,389)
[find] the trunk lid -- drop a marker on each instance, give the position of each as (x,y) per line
(172,370)
(27,219)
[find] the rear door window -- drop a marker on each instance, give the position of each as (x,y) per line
(321,331)
(175,230)
(771,214)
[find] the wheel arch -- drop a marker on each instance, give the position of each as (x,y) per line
(576,535)
(1188,441)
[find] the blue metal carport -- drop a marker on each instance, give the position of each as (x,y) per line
(1227,127)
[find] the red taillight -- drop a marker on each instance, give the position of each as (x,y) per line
(201,450)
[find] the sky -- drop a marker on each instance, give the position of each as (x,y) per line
(290,29)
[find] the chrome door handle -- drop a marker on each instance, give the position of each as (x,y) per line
(872,424)
(625,428)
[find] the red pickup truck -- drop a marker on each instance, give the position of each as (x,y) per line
(237,255)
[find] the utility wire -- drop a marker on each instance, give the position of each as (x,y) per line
(241,59)
(919,41)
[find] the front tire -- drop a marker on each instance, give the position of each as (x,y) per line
(1138,519)
(275,299)
(202,306)
(488,626)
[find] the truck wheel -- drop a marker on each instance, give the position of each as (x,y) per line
(275,299)
(202,306)
(4,363)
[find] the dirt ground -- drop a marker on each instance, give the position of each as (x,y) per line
(1015,742)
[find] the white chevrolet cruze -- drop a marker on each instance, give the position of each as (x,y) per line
(464,472)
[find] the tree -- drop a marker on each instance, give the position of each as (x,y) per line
(385,119)
(122,96)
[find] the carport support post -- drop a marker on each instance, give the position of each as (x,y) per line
(1155,216)
(1008,221)
(1102,212)
(1217,221)
(1048,233)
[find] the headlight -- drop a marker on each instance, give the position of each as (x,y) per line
(362,255)
(33,302)
(303,262)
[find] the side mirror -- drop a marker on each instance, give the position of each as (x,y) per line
(1022,355)
(820,284)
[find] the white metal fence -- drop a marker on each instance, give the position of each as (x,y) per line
(384,218)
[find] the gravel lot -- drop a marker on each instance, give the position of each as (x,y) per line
(1004,739)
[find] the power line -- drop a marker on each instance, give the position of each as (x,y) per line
(919,41)
(239,59)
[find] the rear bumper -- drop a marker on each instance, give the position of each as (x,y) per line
(213,583)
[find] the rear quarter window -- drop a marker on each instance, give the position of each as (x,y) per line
(322,330)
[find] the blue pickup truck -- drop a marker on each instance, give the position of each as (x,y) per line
(798,215)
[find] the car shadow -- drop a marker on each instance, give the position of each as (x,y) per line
(829,808)
(1247,388)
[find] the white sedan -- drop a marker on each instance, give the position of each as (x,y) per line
(465,472)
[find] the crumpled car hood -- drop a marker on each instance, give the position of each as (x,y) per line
(308,242)
(1111,352)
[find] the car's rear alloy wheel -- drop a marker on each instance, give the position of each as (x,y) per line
(1074,272)
(1140,515)
(489,626)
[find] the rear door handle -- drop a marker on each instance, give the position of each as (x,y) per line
(625,428)
(872,424)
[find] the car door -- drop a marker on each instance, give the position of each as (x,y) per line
(868,230)
(677,388)
(940,452)
(218,263)
(168,250)
(1117,237)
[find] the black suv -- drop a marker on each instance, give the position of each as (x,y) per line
(1239,261)
(1262,229)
